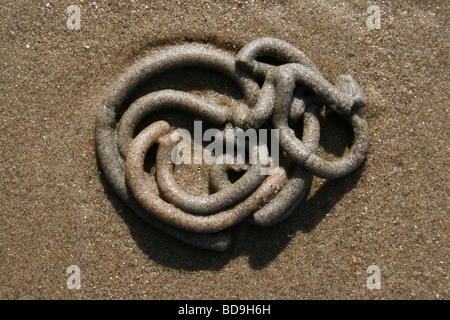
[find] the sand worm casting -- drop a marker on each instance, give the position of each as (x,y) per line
(280,87)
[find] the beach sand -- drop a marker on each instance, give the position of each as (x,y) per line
(58,210)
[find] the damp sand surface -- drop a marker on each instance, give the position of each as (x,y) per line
(58,211)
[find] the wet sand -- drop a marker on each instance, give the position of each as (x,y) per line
(58,210)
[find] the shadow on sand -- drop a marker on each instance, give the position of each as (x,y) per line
(261,245)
